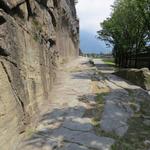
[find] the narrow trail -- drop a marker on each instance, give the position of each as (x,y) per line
(73,119)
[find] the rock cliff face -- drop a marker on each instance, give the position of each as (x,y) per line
(35,35)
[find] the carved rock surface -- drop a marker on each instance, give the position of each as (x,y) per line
(35,36)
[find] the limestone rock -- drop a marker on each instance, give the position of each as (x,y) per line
(32,45)
(78,124)
(140,77)
(74,147)
(86,139)
(12,3)
(116,111)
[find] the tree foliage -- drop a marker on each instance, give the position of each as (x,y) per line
(128,30)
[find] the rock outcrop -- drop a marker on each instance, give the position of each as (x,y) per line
(140,77)
(35,36)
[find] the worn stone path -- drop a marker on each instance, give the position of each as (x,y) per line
(117,109)
(68,125)
(65,126)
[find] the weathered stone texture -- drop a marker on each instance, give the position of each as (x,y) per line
(140,77)
(35,35)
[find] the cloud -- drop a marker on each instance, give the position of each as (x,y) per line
(91,13)
(90,44)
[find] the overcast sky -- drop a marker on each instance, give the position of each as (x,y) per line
(91,13)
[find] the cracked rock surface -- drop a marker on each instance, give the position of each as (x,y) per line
(117,109)
(36,36)
(68,125)
(65,126)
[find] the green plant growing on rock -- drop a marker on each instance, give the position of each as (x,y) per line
(138,131)
(99,109)
(35,37)
(30,131)
(100,102)
(37,29)
(36,25)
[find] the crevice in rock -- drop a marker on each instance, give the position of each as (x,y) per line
(12,11)
(2,20)
(4,7)
(44,4)
(21,2)
(75,130)
(55,3)
(67,141)
(30,13)
(17,11)
(53,18)
(51,42)
(4,52)
(12,62)
(14,90)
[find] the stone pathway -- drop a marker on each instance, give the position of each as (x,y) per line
(65,126)
(68,125)
(118,102)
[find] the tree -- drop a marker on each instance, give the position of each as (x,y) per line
(127,30)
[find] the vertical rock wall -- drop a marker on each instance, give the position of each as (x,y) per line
(34,36)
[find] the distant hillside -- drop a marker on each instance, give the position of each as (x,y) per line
(89,43)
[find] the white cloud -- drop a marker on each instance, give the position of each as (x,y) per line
(92,12)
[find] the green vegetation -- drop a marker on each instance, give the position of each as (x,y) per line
(138,132)
(96,120)
(99,109)
(128,30)
(109,61)
(137,136)
(37,29)
(36,37)
(36,25)
(30,131)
